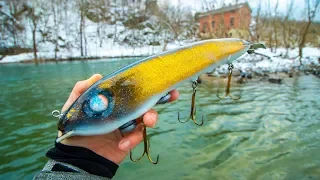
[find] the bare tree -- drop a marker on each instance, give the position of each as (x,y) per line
(275,26)
(254,32)
(83,8)
(34,18)
(208,5)
(311,11)
(54,9)
(11,22)
(287,26)
(268,28)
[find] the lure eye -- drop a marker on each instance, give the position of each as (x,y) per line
(99,105)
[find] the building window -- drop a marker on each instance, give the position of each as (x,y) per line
(212,24)
(205,27)
(231,21)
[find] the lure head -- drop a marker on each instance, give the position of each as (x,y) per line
(241,48)
(106,105)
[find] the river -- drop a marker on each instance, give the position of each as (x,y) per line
(272,132)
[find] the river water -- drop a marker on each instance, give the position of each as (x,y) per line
(272,132)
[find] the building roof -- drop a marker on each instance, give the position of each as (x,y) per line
(225,9)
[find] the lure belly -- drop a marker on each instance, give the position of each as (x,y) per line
(134,89)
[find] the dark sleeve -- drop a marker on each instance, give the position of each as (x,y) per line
(82,158)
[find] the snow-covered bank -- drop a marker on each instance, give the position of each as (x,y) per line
(266,61)
(106,51)
(109,52)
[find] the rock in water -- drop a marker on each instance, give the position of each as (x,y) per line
(275,80)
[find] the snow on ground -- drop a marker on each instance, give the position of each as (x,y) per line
(105,51)
(273,62)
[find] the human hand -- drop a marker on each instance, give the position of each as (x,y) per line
(112,146)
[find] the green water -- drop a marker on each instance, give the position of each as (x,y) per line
(272,132)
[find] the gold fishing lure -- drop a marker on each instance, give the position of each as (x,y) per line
(132,90)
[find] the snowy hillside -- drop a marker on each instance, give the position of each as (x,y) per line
(71,29)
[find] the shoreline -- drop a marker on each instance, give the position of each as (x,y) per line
(249,66)
(80,58)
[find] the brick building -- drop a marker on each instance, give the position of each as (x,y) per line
(228,21)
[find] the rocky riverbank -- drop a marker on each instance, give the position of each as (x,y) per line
(271,77)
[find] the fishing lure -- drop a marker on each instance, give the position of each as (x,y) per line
(132,90)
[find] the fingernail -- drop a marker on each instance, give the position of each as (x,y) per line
(153,117)
(94,78)
(124,145)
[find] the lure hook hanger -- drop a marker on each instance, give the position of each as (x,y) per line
(227,94)
(193,107)
(56,114)
(146,149)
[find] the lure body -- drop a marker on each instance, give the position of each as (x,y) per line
(134,89)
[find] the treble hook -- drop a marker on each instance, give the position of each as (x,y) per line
(146,149)
(228,86)
(193,107)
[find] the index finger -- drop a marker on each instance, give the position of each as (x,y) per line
(80,88)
